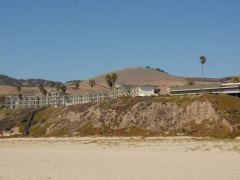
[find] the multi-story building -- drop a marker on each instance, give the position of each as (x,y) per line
(56,98)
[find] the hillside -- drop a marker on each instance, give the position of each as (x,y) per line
(140,76)
(9,81)
(133,76)
(11,90)
(211,115)
(127,76)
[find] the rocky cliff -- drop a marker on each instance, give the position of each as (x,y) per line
(210,115)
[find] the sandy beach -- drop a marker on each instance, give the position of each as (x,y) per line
(119,159)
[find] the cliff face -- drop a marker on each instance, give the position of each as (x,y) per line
(192,115)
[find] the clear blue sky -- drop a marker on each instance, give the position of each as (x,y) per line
(77,39)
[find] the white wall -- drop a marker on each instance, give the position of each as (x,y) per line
(146,90)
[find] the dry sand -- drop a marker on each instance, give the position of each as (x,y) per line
(120,158)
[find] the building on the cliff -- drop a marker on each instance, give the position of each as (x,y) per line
(145,90)
(53,98)
(56,98)
(139,90)
(228,88)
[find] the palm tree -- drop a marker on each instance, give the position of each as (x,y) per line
(58,86)
(203,60)
(92,83)
(19,88)
(63,88)
(77,84)
(114,78)
(40,87)
(108,80)
(20,96)
(111,79)
(44,92)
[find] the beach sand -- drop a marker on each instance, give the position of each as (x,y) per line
(119,159)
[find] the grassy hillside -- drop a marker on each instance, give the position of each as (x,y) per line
(209,115)
(140,75)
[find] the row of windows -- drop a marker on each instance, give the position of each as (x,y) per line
(26,102)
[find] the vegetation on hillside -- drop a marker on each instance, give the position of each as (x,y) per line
(9,81)
(92,83)
(54,121)
(77,84)
(14,118)
(42,89)
(156,69)
(111,79)
(236,79)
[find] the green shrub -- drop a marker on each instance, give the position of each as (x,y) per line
(38,131)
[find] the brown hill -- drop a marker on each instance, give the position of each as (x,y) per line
(140,76)
(127,76)
(11,90)
(9,81)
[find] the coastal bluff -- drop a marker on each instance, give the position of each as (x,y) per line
(198,115)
